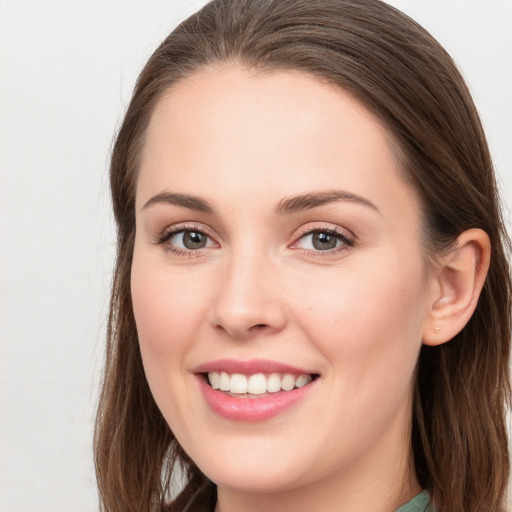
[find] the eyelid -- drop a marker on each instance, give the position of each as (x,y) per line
(163,236)
(346,236)
(324,226)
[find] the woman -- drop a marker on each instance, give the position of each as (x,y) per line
(311,303)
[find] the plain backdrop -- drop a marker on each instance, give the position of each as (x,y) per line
(67,68)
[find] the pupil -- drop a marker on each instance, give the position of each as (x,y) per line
(194,240)
(324,241)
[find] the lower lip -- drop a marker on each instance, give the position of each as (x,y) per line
(252,409)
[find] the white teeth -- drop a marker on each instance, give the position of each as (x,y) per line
(302,380)
(288,382)
(258,383)
(224,381)
(273,383)
(238,383)
(214,379)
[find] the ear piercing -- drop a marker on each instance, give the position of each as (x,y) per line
(437,330)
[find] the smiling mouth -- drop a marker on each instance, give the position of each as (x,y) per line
(256,385)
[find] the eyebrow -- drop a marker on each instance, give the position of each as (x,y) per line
(184,200)
(308,201)
(286,206)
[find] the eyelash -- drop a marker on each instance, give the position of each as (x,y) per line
(347,240)
(164,237)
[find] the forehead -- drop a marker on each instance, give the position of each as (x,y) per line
(229,130)
(228,104)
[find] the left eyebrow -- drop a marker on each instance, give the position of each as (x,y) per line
(303,202)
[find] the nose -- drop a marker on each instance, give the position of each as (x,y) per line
(248,300)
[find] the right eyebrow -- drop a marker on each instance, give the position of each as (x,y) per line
(185,200)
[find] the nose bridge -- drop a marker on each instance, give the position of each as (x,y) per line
(248,298)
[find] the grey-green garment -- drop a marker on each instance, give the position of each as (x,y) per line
(419,503)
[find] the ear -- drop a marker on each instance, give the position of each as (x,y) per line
(456,286)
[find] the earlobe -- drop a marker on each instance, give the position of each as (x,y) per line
(457,286)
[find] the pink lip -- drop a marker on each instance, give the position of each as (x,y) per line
(250,409)
(249,367)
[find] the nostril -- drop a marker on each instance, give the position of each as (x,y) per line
(256,328)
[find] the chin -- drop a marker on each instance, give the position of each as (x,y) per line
(253,478)
(255,465)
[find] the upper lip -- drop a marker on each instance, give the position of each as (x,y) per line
(250,367)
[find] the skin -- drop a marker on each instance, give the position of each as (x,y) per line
(355,315)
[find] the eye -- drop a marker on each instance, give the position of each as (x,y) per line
(323,240)
(320,241)
(185,240)
(189,240)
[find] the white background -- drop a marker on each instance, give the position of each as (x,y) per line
(66,72)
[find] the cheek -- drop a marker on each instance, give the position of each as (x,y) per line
(368,319)
(167,307)
(165,304)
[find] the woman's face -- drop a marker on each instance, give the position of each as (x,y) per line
(278,248)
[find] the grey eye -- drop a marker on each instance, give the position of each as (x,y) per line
(194,240)
(189,240)
(322,241)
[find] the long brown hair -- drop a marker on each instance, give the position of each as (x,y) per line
(402,75)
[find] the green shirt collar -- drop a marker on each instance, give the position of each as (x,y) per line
(419,503)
